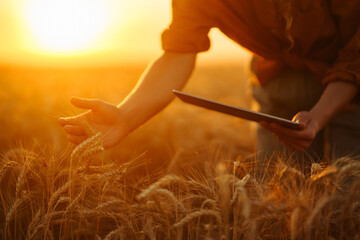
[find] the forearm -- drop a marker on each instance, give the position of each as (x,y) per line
(335,96)
(153,91)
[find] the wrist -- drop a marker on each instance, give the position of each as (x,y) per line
(335,96)
(127,118)
(122,121)
(319,118)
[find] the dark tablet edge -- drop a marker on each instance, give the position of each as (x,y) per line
(234,111)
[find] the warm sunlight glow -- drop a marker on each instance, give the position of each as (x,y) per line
(67,25)
(94,32)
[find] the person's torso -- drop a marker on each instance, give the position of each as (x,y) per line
(310,33)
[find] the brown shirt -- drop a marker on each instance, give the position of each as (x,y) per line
(326,33)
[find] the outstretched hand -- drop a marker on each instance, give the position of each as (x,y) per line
(297,140)
(101,117)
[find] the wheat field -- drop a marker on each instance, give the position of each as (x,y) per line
(187,174)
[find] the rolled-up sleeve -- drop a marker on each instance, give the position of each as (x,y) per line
(347,66)
(188,31)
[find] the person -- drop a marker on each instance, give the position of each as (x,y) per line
(306,61)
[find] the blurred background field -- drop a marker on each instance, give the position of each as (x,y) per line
(31,100)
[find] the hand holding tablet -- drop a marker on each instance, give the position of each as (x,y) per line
(235,111)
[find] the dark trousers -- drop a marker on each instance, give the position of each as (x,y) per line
(295,90)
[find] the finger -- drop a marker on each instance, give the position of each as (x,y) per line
(85,103)
(270,127)
(107,144)
(292,146)
(69,121)
(301,117)
(75,130)
(295,147)
(76,139)
(297,144)
(62,121)
(302,125)
(301,122)
(283,131)
(265,125)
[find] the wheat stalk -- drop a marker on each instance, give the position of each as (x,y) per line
(35,225)
(20,179)
(57,193)
(116,234)
(88,148)
(197,214)
(322,203)
(109,203)
(315,169)
(168,179)
(294,220)
(5,167)
(12,212)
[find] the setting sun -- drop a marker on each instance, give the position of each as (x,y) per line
(93,32)
(66,25)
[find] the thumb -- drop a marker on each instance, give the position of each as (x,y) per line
(301,118)
(302,125)
(83,103)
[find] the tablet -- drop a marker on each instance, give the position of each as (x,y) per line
(235,111)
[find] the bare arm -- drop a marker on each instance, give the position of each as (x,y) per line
(335,97)
(151,95)
(153,91)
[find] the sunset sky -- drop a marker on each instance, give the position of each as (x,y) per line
(93,32)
